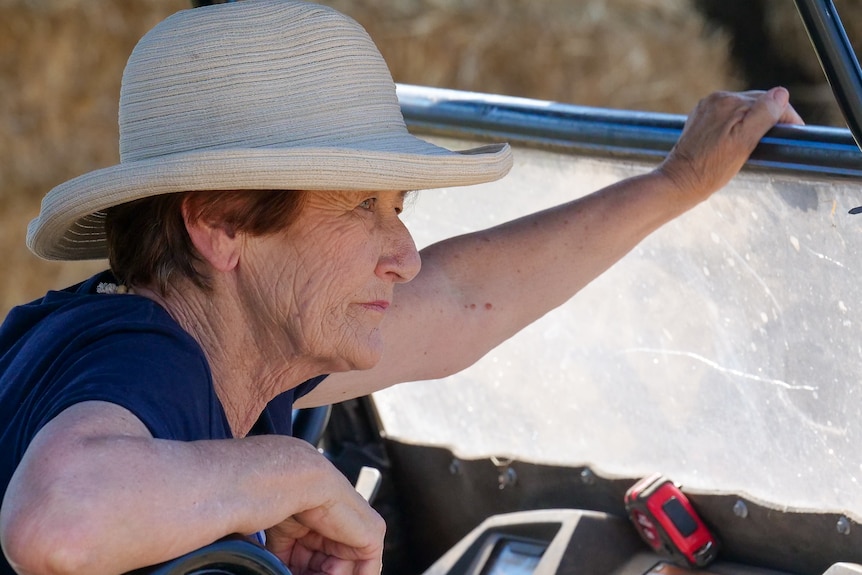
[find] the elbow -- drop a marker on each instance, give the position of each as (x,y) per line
(33,547)
(46,527)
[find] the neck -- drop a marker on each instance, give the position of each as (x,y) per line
(249,366)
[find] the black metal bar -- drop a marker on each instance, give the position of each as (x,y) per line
(837,59)
(641,136)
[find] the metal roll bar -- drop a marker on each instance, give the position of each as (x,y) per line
(644,136)
(837,58)
(810,150)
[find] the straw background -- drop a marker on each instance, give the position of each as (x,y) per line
(61,61)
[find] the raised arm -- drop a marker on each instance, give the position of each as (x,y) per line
(477,290)
(97,494)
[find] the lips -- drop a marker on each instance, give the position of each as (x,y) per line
(377,305)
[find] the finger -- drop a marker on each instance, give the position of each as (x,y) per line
(373,567)
(300,559)
(348,524)
(752,94)
(790,116)
(335,566)
(317,563)
(766,111)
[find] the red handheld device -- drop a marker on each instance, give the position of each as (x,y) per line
(666,520)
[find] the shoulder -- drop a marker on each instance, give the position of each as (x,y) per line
(78,317)
(75,346)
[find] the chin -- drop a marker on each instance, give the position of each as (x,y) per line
(367,361)
(363,356)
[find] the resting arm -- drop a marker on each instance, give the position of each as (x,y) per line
(95,493)
(477,290)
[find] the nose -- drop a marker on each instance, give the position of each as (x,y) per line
(399,259)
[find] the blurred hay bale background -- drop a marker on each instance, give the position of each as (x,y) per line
(641,54)
(60,66)
(769,46)
(61,61)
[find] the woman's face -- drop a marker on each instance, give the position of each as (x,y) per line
(322,287)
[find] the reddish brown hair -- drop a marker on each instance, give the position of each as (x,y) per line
(148,243)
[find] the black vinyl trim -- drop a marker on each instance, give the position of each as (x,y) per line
(467,491)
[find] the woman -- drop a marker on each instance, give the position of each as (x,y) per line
(255,244)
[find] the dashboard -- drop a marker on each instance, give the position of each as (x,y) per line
(572,542)
(543,542)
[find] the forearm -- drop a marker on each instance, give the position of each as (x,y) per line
(501,279)
(109,504)
(554,253)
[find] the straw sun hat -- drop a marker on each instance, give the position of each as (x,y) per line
(259,94)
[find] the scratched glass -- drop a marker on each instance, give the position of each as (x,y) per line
(724,351)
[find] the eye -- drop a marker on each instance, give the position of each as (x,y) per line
(368,203)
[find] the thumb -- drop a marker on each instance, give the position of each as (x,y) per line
(780,96)
(766,111)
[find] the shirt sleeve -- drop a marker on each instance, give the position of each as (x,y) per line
(160,375)
(307,387)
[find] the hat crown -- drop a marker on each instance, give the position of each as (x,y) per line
(253,95)
(315,78)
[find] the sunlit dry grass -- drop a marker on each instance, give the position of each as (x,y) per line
(641,54)
(60,65)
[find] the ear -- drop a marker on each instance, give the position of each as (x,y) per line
(218,244)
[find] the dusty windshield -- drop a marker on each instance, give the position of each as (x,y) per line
(724,351)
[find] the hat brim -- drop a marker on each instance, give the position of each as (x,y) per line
(70,225)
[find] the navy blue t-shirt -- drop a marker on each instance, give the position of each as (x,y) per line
(78,345)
